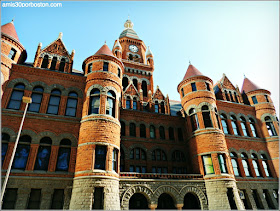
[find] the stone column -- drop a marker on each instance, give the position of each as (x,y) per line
(22,198)
(46,198)
(152,206)
(67,197)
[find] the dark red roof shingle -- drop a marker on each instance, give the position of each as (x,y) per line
(10,30)
(191,71)
(104,50)
(248,86)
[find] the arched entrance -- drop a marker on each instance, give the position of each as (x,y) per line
(165,202)
(138,201)
(191,202)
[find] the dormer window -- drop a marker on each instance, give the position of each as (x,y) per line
(105,66)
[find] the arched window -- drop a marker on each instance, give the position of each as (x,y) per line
(231,98)
(253,127)
(130,57)
(171,133)
(142,131)
(124,82)
(265,165)
(22,152)
(234,163)
(105,66)
(45,62)
(132,129)
(16,97)
(63,157)
(156,107)
(53,64)
(244,126)
(236,98)
(234,125)
(245,164)
(162,107)
(90,68)
(182,91)
(207,86)
(122,128)
(255,164)
(194,119)
(94,101)
(159,155)
(144,88)
(226,94)
(62,65)
(54,102)
(224,123)
(37,95)
(152,132)
(110,105)
(270,127)
(134,103)
(4,145)
(43,155)
(222,162)
(206,116)
(135,83)
(178,156)
(127,103)
(71,105)
(161,132)
(137,154)
(217,118)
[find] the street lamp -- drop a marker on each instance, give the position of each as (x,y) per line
(26,100)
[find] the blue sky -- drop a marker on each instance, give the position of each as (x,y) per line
(234,38)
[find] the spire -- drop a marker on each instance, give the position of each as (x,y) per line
(149,52)
(10,30)
(118,45)
(60,35)
(248,86)
(192,71)
(104,50)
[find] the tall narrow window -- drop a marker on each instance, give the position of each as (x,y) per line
(234,163)
(255,164)
(208,165)
(10,198)
(268,199)
(98,203)
(265,165)
(231,98)
(115,160)
(45,62)
(43,155)
(161,132)
(180,134)
(122,128)
(270,127)
(12,54)
(206,116)
(182,91)
(62,65)
(144,88)
(226,94)
(137,154)
(245,165)
(257,199)
(162,107)
(90,68)
(124,82)
(16,97)
(128,105)
(54,102)
(231,200)
(71,105)
(34,199)
(234,125)
(194,119)
(244,126)
(152,132)
(217,118)
(53,64)
(135,83)
(236,98)
(156,107)
(110,105)
(159,155)
(253,127)
(63,157)
(266,98)
(100,157)
(105,66)
(222,162)
(132,129)
(119,72)
(22,152)
(37,95)
(178,156)
(142,131)
(224,123)
(207,86)
(94,101)
(254,99)
(57,199)
(193,85)
(171,133)
(4,146)
(134,103)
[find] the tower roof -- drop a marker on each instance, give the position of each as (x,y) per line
(149,52)
(117,44)
(248,86)
(128,31)
(192,71)
(104,50)
(9,29)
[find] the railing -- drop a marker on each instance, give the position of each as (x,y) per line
(134,175)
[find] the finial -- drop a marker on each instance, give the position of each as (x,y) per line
(190,62)
(128,16)
(244,75)
(73,51)
(13,20)
(60,35)
(105,43)
(40,44)
(157,87)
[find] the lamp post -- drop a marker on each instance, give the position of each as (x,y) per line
(26,100)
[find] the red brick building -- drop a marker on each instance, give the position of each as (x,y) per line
(105,138)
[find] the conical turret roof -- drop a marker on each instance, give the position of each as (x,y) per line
(149,52)
(104,50)
(248,86)
(192,71)
(10,30)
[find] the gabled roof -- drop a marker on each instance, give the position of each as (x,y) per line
(58,40)
(226,83)
(248,86)
(104,50)
(158,94)
(9,29)
(192,71)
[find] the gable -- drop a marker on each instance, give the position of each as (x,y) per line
(58,48)
(227,84)
(158,95)
(131,90)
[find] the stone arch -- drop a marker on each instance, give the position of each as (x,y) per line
(56,86)
(251,151)
(147,192)
(273,118)
(74,89)
(173,192)
(242,115)
(127,95)
(150,151)
(190,107)
(240,151)
(136,96)
(125,150)
(204,103)
(145,79)
(136,146)
(196,191)
(38,83)
(11,133)
(108,88)
(12,83)
(265,153)
(54,138)
(30,133)
(225,113)
(71,137)
(125,121)
(250,116)
(235,151)
(169,155)
(95,86)
(232,114)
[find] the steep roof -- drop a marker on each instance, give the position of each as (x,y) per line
(104,50)
(128,31)
(9,29)
(191,71)
(248,86)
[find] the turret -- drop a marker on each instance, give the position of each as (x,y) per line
(117,49)
(149,57)
(207,144)
(97,170)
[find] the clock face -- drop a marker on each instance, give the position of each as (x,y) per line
(133,48)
